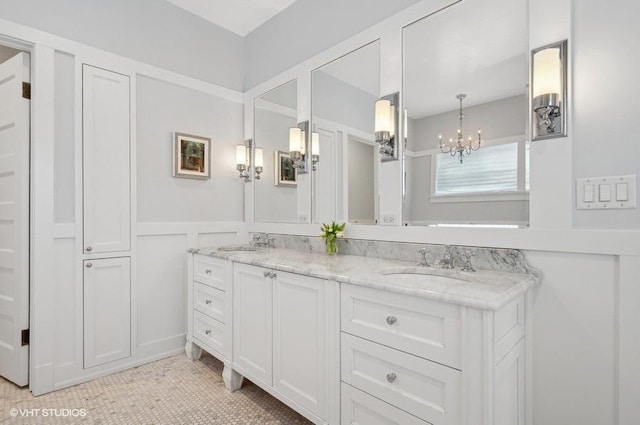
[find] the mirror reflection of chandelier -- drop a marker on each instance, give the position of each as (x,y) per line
(460,146)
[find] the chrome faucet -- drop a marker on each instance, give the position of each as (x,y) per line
(423,257)
(447,260)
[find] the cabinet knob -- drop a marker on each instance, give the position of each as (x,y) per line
(88,249)
(267,274)
(391,320)
(208,332)
(273,275)
(207,302)
(89,265)
(207,271)
(391,377)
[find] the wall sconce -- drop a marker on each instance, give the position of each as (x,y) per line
(315,150)
(243,160)
(258,161)
(549,91)
(298,141)
(386,125)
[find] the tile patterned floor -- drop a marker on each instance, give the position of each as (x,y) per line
(170,391)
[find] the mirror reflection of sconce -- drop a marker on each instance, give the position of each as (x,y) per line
(298,146)
(549,91)
(243,160)
(386,125)
(315,150)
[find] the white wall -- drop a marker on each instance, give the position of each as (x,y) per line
(606,100)
(154,32)
(163,108)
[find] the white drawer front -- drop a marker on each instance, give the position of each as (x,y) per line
(420,387)
(426,328)
(209,301)
(210,271)
(359,408)
(210,332)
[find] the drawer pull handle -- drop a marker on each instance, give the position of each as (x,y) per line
(207,302)
(391,377)
(208,271)
(391,320)
(207,332)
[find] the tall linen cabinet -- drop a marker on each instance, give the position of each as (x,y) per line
(106,192)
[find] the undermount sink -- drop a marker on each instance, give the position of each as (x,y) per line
(237,248)
(422,273)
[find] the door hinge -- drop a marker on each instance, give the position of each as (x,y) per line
(26,90)
(25,337)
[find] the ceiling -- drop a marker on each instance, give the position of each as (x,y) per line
(476,47)
(238,16)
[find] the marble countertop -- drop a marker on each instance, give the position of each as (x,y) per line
(483,289)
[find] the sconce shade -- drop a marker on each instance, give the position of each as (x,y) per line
(259,162)
(315,144)
(241,155)
(383,116)
(547,70)
(295,136)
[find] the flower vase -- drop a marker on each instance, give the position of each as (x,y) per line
(331,247)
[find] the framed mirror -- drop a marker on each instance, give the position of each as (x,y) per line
(465,81)
(276,192)
(345,179)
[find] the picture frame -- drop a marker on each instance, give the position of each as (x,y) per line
(285,173)
(191,156)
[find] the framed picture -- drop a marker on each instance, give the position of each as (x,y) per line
(285,173)
(191,156)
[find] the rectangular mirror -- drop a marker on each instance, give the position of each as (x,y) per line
(276,192)
(345,179)
(465,97)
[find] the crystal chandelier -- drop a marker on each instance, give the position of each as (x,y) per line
(460,146)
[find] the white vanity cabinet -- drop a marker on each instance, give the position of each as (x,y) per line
(442,363)
(209,307)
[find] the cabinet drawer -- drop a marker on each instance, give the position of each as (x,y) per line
(426,328)
(209,331)
(210,301)
(360,408)
(420,387)
(210,271)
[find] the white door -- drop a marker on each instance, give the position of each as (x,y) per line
(300,355)
(252,315)
(106,160)
(107,310)
(14,219)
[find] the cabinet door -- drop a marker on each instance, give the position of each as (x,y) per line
(107,310)
(106,160)
(252,315)
(300,340)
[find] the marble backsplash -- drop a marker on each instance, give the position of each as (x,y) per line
(498,259)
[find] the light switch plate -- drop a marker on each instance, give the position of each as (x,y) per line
(606,193)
